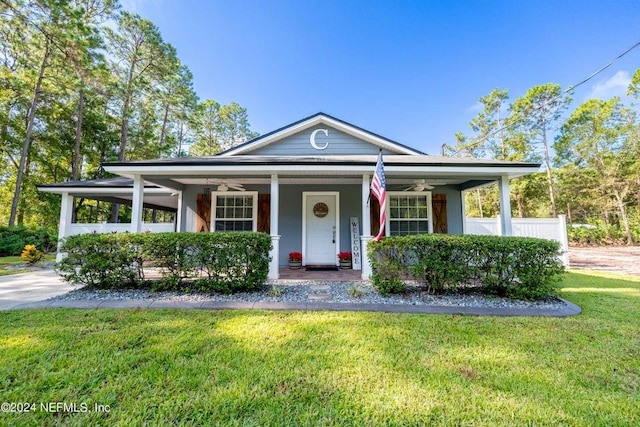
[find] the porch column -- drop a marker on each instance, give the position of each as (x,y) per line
(178,226)
(464,211)
(136,204)
(64,226)
(274,265)
(506,227)
(366,228)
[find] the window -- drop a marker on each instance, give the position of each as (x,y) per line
(409,213)
(234,211)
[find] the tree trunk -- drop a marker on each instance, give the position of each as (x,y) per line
(520,203)
(163,130)
(77,164)
(124,130)
(547,161)
(180,138)
(479,197)
(75,168)
(29,131)
(625,220)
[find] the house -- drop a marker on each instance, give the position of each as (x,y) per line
(306,184)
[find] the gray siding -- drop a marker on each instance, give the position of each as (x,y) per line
(339,144)
(454,208)
(290,223)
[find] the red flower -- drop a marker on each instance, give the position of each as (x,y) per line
(344,256)
(295,256)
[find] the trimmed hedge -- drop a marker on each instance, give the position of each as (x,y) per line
(515,267)
(210,262)
(14,239)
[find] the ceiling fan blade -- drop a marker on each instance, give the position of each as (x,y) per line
(238,187)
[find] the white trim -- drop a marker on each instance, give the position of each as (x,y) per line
(476,172)
(409,193)
(324,120)
(100,190)
(306,194)
(254,196)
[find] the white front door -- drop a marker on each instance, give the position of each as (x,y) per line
(320,232)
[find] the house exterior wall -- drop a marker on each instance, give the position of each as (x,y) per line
(338,143)
(290,208)
(454,208)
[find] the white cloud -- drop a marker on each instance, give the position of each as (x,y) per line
(134,6)
(475,108)
(614,86)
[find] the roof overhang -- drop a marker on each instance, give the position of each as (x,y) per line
(399,166)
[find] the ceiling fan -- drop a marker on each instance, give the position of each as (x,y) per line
(223,185)
(419,185)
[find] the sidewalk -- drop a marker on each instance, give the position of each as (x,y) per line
(18,289)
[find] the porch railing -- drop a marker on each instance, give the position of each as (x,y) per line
(78,228)
(543,228)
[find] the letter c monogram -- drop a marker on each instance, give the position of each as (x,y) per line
(312,139)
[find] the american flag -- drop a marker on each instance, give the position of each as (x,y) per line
(379,190)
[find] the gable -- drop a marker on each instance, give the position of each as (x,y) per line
(320,135)
(314,142)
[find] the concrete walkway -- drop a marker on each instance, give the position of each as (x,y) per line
(18,289)
(31,290)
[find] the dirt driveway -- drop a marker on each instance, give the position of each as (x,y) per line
(621,259)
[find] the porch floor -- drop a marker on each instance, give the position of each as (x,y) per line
(321,276)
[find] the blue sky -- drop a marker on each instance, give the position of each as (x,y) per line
(412,71)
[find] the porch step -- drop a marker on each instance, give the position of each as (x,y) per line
(319,297)
(319,288)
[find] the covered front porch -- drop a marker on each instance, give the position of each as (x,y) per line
(283,206)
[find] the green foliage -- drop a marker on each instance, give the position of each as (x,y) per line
(389,265)
(516,267)
(14,239)
(31,255)
(220,262)
(103,261)
(233,262)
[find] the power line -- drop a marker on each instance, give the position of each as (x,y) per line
(551,100)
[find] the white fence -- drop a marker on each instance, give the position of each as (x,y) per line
(120,228)
(543,228)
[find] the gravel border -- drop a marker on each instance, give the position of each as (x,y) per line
(327,292)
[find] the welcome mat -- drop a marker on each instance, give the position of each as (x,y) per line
(322,268)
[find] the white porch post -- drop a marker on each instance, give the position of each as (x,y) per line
(178,227)
(64,227)
(506,226)
(274,265)
(366,228)
(136,204)
(463,205)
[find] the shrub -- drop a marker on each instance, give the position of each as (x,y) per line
(516,267)
(31,255)
(233,262)
(103,261)
(388,265)
(222,262)
(14,239)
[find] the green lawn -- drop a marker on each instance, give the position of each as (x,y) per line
(16,260)
(172,367)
